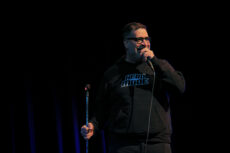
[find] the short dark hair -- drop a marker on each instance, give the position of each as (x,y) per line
(132,26)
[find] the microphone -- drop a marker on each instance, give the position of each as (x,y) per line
(148,58)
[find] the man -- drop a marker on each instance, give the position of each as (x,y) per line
(133,99)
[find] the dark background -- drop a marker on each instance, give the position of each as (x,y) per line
(54,51)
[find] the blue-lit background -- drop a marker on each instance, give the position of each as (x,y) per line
(61,52)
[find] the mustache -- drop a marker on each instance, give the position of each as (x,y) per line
(141,47)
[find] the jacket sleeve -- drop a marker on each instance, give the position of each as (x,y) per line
(173,80)
(101,107)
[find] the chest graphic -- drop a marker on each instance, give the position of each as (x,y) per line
(134,80)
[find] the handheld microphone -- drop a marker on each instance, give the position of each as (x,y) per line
(148,58)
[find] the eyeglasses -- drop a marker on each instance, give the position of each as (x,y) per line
(140,39)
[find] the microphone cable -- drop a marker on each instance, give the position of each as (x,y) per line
(150,109)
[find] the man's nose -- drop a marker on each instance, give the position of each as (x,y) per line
(144,42)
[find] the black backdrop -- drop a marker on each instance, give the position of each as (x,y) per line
(56,53)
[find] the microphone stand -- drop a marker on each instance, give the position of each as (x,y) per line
(87,110)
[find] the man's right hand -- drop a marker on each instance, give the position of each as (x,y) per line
(87,132)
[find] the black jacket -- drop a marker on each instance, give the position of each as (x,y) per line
(124,96)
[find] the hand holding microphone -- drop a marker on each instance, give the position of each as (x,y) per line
(146,54)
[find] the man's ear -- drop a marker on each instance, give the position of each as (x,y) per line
(125,42)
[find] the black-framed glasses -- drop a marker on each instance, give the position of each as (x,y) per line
(140,39)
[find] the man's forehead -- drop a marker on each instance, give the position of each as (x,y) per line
(139,33)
